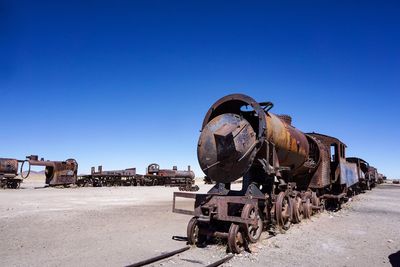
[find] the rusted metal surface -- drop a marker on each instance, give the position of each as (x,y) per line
(232,136)
(362,169)
(222,149)
(100,178)
(176,252)
(321,158)
(372,175)
(126,172)
(291,144)
(9,167)
(337,157)
(9,173)
(57,172)
(221,261)
(159,257)
(350,172)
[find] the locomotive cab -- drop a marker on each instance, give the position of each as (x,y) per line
(153,169)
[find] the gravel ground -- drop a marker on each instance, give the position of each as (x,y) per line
(122,225)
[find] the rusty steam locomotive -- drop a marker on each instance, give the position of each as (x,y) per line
(286,174)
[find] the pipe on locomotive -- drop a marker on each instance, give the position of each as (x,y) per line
(234,134)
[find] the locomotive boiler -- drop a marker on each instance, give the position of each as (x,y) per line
(56,172)
(286,174)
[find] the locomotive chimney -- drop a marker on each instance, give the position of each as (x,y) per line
(188,168)
(93,170)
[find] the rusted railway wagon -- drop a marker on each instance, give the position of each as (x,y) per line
(362,169)
(381,178)
(287,174)
(372,175)
(100,178)
(9,173)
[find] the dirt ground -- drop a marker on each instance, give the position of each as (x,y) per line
(118,226)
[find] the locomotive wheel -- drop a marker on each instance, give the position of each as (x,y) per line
(193,232)
(283,211)
(235,239)
(307,209)
(13,185)
(297,209)
(253,232)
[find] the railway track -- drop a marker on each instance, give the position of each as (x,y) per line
(180,251)
(176,252)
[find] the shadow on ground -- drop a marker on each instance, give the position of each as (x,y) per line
(395,259)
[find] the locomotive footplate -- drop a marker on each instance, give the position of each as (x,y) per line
(210,207)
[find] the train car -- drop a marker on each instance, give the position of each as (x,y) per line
(381,178)
(287,175)
(372,175)
(362,169)
(126,177)
(9,173)
(344,177)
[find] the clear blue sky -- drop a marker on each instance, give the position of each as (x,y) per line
(127,83)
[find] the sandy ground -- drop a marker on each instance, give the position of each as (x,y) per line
(118,226)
